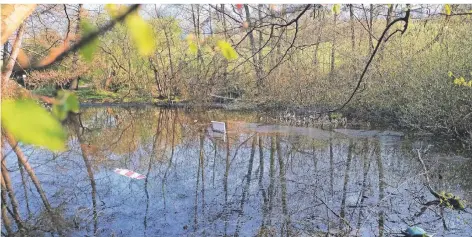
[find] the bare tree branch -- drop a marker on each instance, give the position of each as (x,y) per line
(405,19)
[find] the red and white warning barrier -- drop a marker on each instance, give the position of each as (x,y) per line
(129,173)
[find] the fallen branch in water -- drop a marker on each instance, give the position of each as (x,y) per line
(445,199)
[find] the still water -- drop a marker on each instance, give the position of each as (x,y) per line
(258,179)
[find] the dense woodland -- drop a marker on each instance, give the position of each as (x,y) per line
(416,74)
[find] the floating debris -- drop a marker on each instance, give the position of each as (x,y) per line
(415,231)
(129,173)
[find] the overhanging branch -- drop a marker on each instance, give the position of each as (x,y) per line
(405,19)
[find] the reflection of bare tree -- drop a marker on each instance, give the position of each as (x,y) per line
(271,176)
(200,170)
(366,166)
(24,161)
(378,155)
(23,182)
(283,183)
(246,187)
(76,121)
(225,183)
(261,186)
(331,179)
(346,180)
(146,181)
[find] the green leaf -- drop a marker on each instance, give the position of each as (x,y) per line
(447,9)
(29,123)
(89,49)
(336,8)
(142,34)
(67,102)
(227,50)
(450,74)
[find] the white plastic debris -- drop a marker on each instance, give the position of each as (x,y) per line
(129,173)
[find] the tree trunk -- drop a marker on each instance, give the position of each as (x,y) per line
(74,84)
(171,87)
(5,220)
(6,186)
(6,73)
(4,53)
(333,46)
(371,28)
(389,17)
(253,50)
(261,39)
(351,21)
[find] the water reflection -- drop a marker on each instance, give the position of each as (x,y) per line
(257,180)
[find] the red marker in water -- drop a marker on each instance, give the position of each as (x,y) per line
(129,173)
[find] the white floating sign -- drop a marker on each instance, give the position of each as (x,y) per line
(219,127)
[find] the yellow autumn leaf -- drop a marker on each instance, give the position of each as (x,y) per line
(193,47)
(447,9)
(227,50)
(336,8)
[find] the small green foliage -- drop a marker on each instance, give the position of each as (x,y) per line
(449,200)
(335,115)
(67,102)
(142,34)
(28,122)
(227,50)
(89,49)
(336,9)
(447,9)
(460,81)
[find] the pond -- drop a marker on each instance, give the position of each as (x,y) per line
(257,179)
